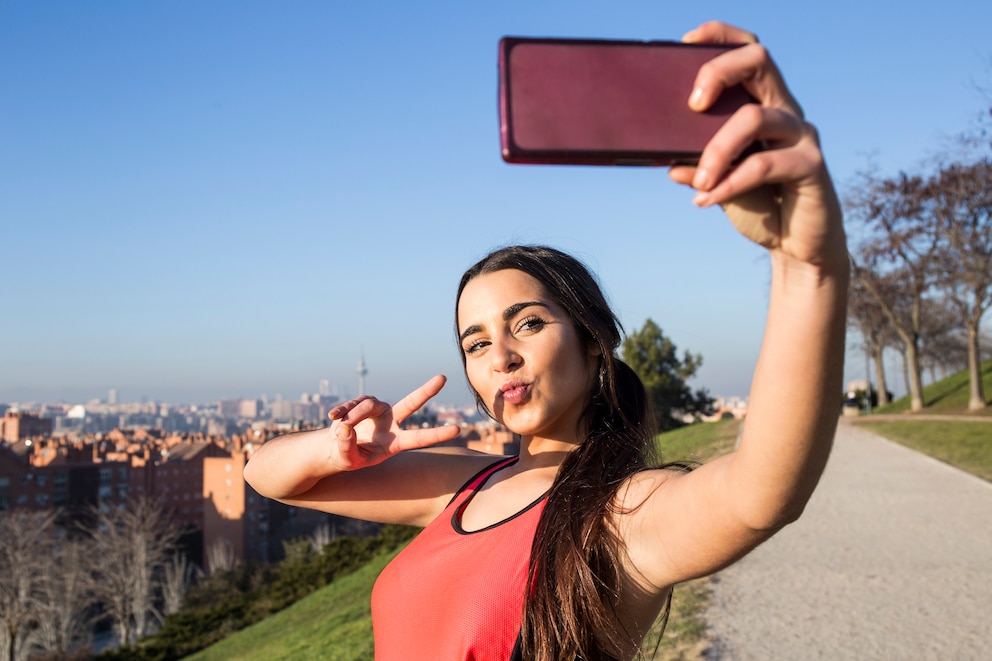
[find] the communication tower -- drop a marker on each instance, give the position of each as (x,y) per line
(362,371)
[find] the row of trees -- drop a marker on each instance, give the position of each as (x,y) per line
(922,266)
(57,580)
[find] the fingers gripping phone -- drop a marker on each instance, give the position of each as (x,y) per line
(606,102)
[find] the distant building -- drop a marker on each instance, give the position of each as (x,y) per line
(493,440)
(228,408)
(246,525)
(281,409)
(23,485)
(16,426)
(249,408)
(727,406)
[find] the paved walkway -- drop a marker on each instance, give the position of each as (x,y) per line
(891,560)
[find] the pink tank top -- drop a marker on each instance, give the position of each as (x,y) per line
(453,595)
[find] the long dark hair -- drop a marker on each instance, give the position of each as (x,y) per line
(575,566)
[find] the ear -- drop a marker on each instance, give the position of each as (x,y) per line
(594,350)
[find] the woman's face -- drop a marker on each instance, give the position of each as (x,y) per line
(523,355)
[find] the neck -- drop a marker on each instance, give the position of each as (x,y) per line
(537,453)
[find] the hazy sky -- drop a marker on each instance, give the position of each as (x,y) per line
(223,199)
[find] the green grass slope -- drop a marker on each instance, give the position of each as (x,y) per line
(699,442)
(332,624)
(963,444)
(948,396)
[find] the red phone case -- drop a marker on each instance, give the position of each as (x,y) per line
(605,102)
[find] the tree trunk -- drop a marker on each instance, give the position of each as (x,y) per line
(976,401)
(123,632)
(915,382)
(905,372)
(883,390)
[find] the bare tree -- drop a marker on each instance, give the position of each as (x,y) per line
(132,543)
(178,575)
(900,247)
(945,354)
(24,543)
(220,557)
(961,197)
(867,316)
(978,138)
(322,535)
(65,607)
(943,349)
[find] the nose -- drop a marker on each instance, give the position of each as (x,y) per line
(503,356)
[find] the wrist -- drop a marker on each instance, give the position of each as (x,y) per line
(831,268)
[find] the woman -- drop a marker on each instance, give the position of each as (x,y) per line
(571,549)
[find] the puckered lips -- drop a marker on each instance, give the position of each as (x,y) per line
(514,392)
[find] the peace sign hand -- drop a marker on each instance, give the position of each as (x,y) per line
(367,431)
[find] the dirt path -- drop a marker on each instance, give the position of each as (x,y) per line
(891,560)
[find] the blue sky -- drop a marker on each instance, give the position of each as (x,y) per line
(203,200)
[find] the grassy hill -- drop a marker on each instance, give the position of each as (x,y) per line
(957,436)
(948,396)
(333,624)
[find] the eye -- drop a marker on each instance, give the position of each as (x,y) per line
(475,347)
(531,324)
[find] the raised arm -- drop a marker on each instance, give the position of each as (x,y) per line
(781,198)
(364,465)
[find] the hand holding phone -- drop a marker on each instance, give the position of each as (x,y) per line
(606,102)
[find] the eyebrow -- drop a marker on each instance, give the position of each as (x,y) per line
(508,314)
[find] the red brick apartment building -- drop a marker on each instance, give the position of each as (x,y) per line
(199,480)
(15,426)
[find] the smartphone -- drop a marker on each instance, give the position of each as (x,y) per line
(606,102)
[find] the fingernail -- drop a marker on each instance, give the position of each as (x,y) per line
(344,430)
(696,98)
(701,199)
(701,179)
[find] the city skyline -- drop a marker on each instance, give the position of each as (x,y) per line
(324,387)
(213,201)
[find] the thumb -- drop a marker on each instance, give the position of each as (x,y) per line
(344,436)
